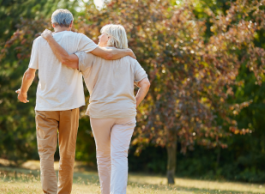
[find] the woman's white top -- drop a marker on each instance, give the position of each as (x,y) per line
(111,85)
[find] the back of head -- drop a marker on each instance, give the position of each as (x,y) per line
(117,33)
(62,17)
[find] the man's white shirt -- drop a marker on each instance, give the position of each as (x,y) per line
(60,87)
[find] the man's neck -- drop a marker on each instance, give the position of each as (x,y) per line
(61,29)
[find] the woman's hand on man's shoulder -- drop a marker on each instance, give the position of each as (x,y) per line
(46,34)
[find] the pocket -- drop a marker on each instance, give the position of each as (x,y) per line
(40,113)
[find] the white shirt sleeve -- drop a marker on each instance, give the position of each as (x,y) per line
(139,72)
(34,57)
(85,60)
(86,44)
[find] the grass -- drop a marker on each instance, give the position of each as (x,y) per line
(26,180)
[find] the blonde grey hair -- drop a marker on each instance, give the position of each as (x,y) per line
(117,35)
(62,17)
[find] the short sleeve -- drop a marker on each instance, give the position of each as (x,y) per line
(139,73)
(34,58)
(85,60)
(86,44)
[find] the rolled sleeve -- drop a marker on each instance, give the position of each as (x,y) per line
(85,60)
(86,44)
(34,57)
(81,57)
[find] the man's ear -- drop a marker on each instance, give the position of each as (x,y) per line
(53,25)
(71,25)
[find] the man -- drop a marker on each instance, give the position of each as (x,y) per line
(59,96)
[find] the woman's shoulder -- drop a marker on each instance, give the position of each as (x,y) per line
(130,60)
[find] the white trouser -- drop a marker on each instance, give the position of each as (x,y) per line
(112,137)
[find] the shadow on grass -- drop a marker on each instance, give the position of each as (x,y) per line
(9,174)
(183,189)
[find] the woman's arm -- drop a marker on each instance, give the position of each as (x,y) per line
(144,86)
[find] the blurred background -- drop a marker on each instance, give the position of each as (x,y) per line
(204,116)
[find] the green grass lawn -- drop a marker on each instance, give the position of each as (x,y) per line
(27,180)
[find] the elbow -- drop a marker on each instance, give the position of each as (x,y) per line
(29,76)
(145,83)
(148,84)
(64,59)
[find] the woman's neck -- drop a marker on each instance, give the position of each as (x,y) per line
(105,45)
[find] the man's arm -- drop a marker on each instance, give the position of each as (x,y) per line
(72,60)
(112,54)
(27,80)
(144,86)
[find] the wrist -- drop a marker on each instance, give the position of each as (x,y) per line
(49,38)
(23,92)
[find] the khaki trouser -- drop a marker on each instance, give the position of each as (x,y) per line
(112,137)
(47,124)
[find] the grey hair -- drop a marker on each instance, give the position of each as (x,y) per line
(62,17)
(118,37)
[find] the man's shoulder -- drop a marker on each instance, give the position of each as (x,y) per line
(76,34)
(38,40)
(39,43)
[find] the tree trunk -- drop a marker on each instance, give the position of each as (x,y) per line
(171,157)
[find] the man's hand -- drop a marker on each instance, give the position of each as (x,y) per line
(46,34)
(131,53)
(22,97)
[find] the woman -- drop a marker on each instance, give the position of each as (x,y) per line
(112,103)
